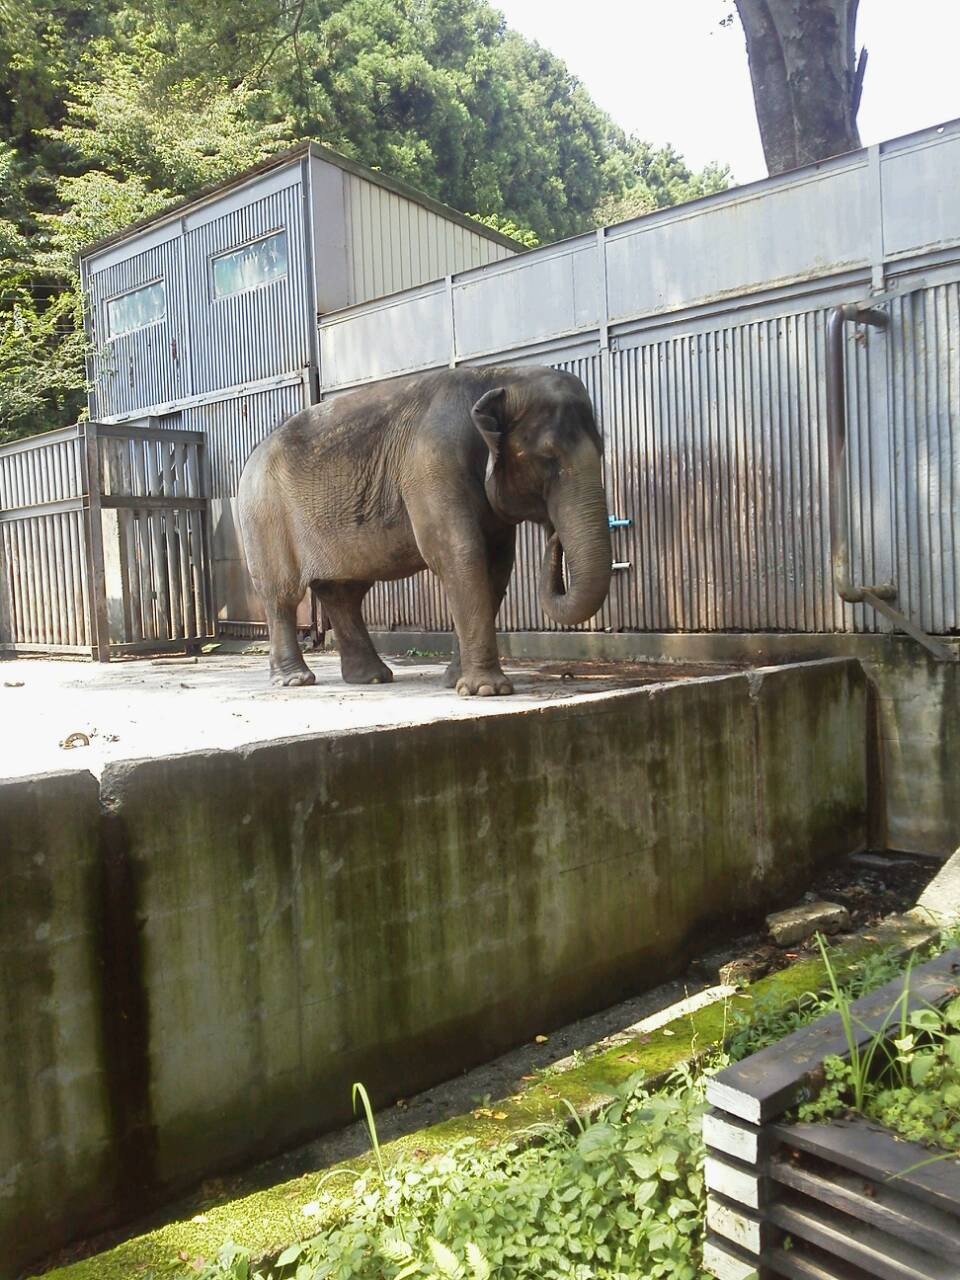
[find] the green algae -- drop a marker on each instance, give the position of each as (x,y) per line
(266,1221)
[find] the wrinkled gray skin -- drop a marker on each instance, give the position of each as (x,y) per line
(434,471)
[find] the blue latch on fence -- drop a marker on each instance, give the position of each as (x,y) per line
(619,522)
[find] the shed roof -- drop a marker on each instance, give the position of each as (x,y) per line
(212,193)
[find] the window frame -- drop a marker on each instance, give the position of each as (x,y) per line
(238,248)
(125,293)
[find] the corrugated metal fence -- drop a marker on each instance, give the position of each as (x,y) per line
(104,541)
(701,334)
(46,578)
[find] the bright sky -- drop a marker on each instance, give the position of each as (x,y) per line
(667,71)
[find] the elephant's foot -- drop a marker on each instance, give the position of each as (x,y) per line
(484,684)
(451,677)
(291,674)
(366,670)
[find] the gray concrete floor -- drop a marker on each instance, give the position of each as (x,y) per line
(132,709)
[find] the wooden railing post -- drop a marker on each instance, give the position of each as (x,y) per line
(99,622)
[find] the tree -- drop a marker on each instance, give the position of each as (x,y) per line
(806,77)
(123,152)
(655,178)
(112,109)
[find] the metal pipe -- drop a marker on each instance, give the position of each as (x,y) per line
(837,447)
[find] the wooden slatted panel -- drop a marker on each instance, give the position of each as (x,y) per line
(154,482)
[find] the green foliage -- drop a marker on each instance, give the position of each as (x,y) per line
(620,1197)
(908,1082)
(655,179)
(124,120)
(41,361)
(772,1019)
(507,227)
(110,111)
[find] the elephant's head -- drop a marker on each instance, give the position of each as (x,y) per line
(545,465)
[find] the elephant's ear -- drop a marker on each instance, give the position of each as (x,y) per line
(489,417)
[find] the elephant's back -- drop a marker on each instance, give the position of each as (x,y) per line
(280,451)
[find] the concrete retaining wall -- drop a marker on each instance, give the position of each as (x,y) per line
(269,925)
(917,744)
(915,712)
(57,1135)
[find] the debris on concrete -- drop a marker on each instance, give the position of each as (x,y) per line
(797,923)
(745,969)
(882,861)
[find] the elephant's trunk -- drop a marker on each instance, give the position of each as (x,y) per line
(578,512)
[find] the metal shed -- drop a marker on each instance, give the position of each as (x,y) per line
(204,318)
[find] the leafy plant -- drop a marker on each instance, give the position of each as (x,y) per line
(618,1197)
(774,1017)
(908,1082)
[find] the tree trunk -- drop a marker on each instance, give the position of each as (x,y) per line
(806,81)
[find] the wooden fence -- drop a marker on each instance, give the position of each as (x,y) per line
(104,541)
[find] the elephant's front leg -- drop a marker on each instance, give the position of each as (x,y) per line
(500,554)
(465,572)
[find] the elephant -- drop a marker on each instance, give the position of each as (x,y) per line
(431,471)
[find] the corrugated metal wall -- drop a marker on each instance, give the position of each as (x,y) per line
(394,243)
(235,427)
(704,327)
(205,343)
(925,442)
(149,365)
(43,554)
(718,454)
(260,332)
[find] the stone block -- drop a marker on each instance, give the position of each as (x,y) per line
(797,923)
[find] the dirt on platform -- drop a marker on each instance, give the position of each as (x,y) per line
(625,673)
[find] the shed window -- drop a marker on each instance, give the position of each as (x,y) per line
(136,309)
(251,266)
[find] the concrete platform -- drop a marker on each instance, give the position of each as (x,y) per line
(150,708)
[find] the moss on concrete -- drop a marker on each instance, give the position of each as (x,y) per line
(266,1221)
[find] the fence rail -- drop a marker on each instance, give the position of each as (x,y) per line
(104,541)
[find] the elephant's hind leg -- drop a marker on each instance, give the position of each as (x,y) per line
(359,661)
(287,666)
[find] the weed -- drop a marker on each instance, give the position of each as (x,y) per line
(909,1082)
